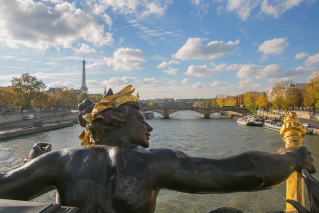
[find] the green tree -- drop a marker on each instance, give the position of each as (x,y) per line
(82,97)
(93,98)
(206,103)
(27,86)
(99,98)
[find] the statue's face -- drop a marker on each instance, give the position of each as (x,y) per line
(137,130)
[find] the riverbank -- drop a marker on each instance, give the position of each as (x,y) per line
(10,133)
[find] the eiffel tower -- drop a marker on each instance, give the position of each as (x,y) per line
(84,88)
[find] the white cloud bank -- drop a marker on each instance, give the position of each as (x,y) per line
(204,71)
(198,85)
(127,59)
(193,49)
(301,55)
(242,84)
(313,59)
(39,26)
(84,49)
(258,72)
(275,46)
(218,84)
(299,72)
(165,64)
(172,71)
(186,80)
(124,81)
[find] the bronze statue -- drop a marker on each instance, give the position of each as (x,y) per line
(115,173)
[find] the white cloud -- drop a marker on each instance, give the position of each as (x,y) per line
(63,84)
(172,71)
(127,59)
(23,59)
(257,85)
(244,83)
(151,81)
(244,8)
(312,76)
(140,9)
(258,72)
(275,46)
(92,82)
(218,83)
(193,49)
(57,26)
(198,71)
(313,59)
(233,67)
(7,57)
(121,40)
(84,49)
(219,67)
(264,58)
(299,72)
(172,82)
(273,80)
(277,8)
(186,80)
(301,55)
(164,64)
(197,2)
(241,7)
(51,63)
(116,81)
(197,85)
(107,19)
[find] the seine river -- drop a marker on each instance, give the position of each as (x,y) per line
(186,131)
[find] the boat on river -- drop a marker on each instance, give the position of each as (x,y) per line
(258,122)
(245,121)
(273,124)
(148,115)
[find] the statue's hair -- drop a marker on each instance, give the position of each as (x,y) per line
(112,117)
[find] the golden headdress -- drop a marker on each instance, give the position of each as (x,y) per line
(110,101)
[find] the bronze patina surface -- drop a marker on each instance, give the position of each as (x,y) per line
(116,173)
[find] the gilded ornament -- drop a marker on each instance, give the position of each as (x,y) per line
(111,101)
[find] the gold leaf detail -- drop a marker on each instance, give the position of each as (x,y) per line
(124,99)
(125,90)
(81,135)
(88,118)
(110,98)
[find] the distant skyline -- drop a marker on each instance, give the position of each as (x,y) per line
(164,48)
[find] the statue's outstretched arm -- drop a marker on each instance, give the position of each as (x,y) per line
(248,171)
(30,180)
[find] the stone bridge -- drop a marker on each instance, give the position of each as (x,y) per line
(206,112)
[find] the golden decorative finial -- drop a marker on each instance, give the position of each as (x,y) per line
(292,131)
(111,101)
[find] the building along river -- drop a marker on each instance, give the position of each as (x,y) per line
(186,131)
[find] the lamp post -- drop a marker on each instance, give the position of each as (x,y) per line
(293,132)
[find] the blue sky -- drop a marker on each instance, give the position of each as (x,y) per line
(164,48)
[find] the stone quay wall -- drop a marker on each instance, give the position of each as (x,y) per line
(10,120)
(301,114)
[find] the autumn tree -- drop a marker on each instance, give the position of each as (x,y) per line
(311,92)
(250,101)
(27,86)
(51,101)
(8,96)
(40,99)
(198,104)
(82,97)
(220,100)
(230,101)
(93,98)
(151,103)
(206,103)
(261,101)
(213,102)
(65,97)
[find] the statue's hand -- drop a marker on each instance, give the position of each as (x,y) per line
(303,156)
(37,150)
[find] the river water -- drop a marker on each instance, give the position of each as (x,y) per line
(185,131)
